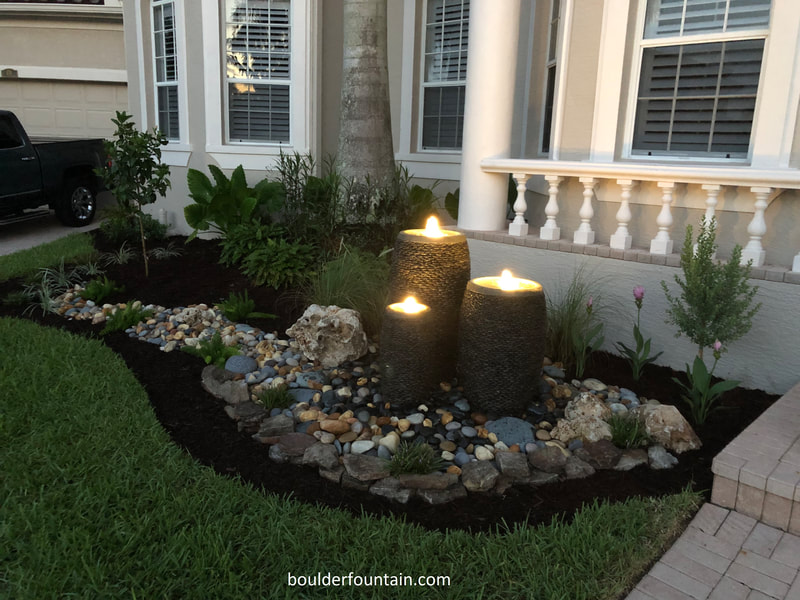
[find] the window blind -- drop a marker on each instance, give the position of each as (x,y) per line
(259,112)
(668,18)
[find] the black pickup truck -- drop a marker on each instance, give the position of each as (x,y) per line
(58,173)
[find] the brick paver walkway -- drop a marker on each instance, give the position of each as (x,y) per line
(744,546)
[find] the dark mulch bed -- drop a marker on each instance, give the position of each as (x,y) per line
(196,421)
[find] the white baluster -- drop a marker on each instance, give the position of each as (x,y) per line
(518,226)
(757,228)
(662,244)
(621,239)
(584,234)
(796,263)
(712,192)
(551,231)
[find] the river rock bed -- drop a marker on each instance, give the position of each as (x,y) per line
(340,424)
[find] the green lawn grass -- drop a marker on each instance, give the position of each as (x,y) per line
(96,502)
(76,247)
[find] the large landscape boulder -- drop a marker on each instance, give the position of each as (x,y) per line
(666,426)
(330,335)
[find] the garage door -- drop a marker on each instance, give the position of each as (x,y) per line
(64,108)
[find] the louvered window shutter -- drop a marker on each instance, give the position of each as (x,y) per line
(258,69)
(446,36)
(166,69)
(699,98)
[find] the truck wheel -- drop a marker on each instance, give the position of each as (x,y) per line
(78,202)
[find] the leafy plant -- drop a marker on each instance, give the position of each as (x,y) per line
(212,350)
(120,257)
(627,431)
(640,357)
(279,262)
(451,201)
(239,307)
(122,318)
(586,339)
(243,239)
(354,279)
(135,174)
(227,202)
(567,317)
(275,397)
(171,250)
(119,227)
(43,295)
(100,289)
(700,395)
(62,278)
(715,300)
(417,458)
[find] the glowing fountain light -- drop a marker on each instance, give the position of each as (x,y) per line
(432,228)
(507,281)
(409,306)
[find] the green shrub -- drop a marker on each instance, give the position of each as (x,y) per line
(212,350)
(123,318)
(627,431)
(416,458)
(278,262)
(119,257)
(100,289)
(243,239)
(227,202)
(275,397)
(239,307)
(715,300)
(119,228)
(171,250)
(354,279)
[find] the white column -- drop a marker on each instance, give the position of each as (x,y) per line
(489,104)
(551,231)
(757,228)
(796,263)
(662,244)
(712,193)
(621,239)
(518,226)
(584,234)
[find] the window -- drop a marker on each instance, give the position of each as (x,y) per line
(445,73)
(166,68)
(258,75)
(9,138)
(700,69)
(550,86)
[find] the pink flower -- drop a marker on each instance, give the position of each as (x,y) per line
(717,345)
(638,293)
(589,302)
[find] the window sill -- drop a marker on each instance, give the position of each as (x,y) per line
(432,165)
(253,157)
(176,154)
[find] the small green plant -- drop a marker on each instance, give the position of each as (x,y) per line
(715,300)
(586,339)
(416,458)
(640,357)
(171,250)
(227,202)
(212,350)
(275,397)
(121,319)
(354,279)
(43,294)
(239,307)
(243,239)
(100,289)
(279,262)
(119,257)
(119,227)
(135,173)
(627,431)
(62,278)
(699,394)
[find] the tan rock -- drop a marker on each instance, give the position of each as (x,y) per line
(583,428)
(334,426)
(666,426)
(330,335)
(454,470)
(587,405)
(403,425)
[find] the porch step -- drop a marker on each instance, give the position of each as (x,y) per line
(758,473)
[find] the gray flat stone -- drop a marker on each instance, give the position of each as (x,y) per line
(220,384)
(365,468)
(391,488)
(578,469)
(631,459)
(511,430)
(442,496)
(431,481)
(479,476)
(321,455)
(513,465)
(278,425)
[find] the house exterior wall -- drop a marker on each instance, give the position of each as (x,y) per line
(64,67)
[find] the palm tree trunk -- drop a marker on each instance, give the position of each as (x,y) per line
(365,129)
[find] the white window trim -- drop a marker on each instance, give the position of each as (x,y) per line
(177,152)
(556,63)
(304,69)
(559,99)
(427,164)
(776,103)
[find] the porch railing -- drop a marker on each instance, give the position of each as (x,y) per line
(764,184)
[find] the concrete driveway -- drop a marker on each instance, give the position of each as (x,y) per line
(45,228)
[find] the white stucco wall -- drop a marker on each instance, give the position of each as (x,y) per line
(766,358)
